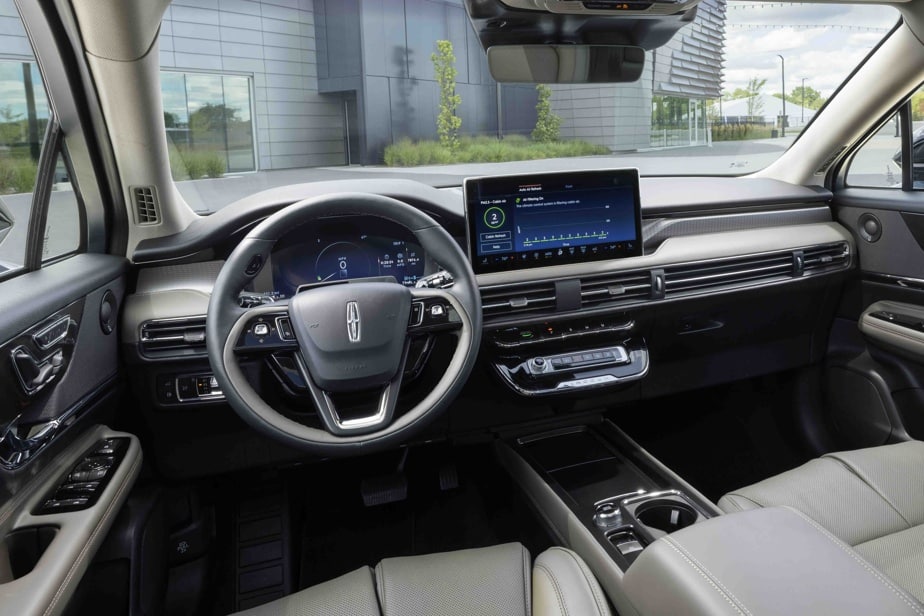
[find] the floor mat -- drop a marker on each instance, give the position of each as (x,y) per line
(340,534)
(721,438)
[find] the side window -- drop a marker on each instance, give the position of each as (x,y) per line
(879,163)
(25,116)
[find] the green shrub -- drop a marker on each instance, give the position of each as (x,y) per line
(484,149)
(448,121)
(548,125)
(739,132)
(17,175)
(214,163)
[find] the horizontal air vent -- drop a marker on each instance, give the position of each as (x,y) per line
(709,274)
(173,336)
(615,288)
(519,299)
(821,258)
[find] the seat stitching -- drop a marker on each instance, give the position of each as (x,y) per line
(589,579)
(86,547)
(704,576)
(878,492)
(742,497)
(899,593)
(527,590)
(555,587)
(380,585)
(708,572)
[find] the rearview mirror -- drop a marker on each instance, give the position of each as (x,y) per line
(565,63)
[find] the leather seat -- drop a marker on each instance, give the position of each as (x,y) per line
(872,499)
(498,580)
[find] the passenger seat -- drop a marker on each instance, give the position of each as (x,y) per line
(872,499)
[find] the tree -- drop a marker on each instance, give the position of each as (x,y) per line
(755,102)
(548,125)
(11,126)
(211,117)
(812,100)
(447,122)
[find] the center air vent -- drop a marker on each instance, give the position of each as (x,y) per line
(518,299)
(698,276)
(615,288)
(173,337)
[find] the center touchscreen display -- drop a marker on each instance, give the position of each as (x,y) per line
(523,221)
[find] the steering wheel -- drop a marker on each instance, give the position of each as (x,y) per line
(344,337)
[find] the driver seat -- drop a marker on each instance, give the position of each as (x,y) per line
(489,581)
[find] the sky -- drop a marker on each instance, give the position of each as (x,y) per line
(820,42)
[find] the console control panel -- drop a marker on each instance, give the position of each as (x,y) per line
(188,388)
(546,364)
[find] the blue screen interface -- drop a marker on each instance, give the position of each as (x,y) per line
(535,220)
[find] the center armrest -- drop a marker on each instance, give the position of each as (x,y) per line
(763,561)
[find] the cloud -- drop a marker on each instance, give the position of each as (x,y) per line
(821,43)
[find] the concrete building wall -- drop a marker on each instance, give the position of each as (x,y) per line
(273,41)
(618,116)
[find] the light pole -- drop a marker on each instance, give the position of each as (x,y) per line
(803,101)
(783,76)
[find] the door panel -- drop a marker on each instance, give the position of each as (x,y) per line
(866,352)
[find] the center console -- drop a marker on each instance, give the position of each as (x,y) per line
(602,495)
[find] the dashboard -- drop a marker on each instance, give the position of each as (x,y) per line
(342,248)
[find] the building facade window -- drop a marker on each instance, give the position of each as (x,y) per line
(209,123)
(678,121)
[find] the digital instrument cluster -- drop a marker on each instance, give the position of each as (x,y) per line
(343,249)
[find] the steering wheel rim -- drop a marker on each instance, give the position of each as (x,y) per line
(227,321)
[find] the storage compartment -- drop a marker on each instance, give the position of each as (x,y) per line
(22,549)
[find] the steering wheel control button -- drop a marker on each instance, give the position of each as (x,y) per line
(254,265)
(261,329)
(284,327)
(437,311)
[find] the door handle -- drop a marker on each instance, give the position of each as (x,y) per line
(35,374)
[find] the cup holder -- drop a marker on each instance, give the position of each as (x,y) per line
(666,515)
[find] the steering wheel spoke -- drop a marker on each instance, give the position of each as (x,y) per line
(432,311)
(356,421)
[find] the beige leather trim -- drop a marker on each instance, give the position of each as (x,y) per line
(893,335)
(47,588)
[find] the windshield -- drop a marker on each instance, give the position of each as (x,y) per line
(257,96)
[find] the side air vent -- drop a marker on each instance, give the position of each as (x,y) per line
(173,337)
(822,258)
(615,288)
(729,272)
(519,299)
(146,210)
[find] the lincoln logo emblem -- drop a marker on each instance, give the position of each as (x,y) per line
(353,322)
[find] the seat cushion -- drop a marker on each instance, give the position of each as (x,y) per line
(494,580)
(872,499)
(352,594)
(563,585)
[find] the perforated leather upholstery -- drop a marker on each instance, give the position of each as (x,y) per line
(491,581)
(872,499)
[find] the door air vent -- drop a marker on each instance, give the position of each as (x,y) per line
(146,209)
(173,337)
(615,288)
(518,299)
(822,258)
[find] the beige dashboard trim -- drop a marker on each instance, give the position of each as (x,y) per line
(687,249)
